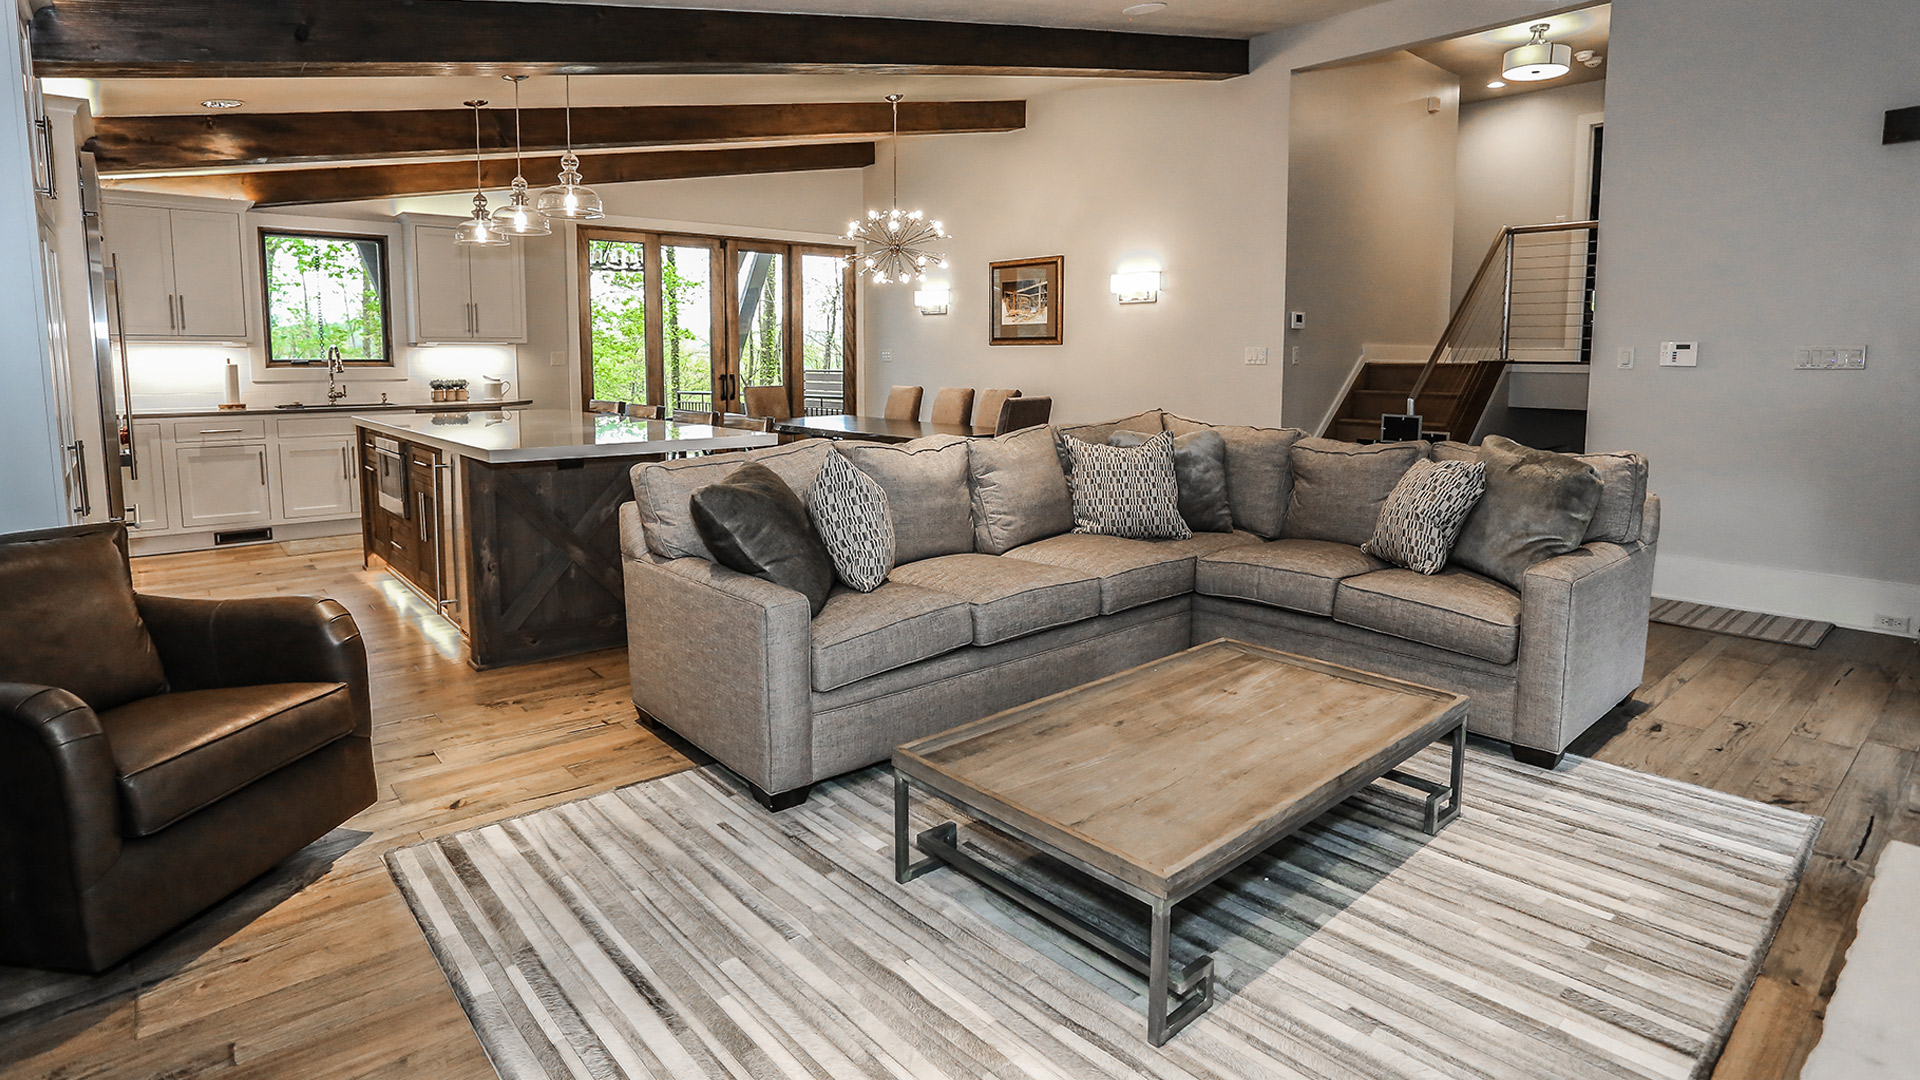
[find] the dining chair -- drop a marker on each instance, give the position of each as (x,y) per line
(696,416)
(1023,412)
(903,403)
(745,422)
(603,407)
(769,401)
(986,409)
(644,412)
(952,405)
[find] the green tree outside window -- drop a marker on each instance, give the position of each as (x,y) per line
(325,292)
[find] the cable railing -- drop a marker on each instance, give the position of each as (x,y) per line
(1531,300)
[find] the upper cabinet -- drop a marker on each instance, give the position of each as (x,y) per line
(464,294)
(182,271)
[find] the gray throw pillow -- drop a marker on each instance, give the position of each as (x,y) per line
(926,485)
(1019,490)
(754,523)
(1339,487)
(662,490)
(1537,506)
(850,513)
(1200,465)
(1423,514)
(1259,481)
(1130,492)
(1623,496)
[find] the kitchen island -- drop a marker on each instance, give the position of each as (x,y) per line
(507,521)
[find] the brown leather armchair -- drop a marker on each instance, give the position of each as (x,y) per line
(156,754)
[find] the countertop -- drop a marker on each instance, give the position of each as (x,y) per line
(498,437)
(345,407)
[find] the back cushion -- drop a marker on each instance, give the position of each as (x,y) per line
(664,490)
(1259,481)
(1623,496)
(1538,505)
(1019,490)
(1339,487)
(1150,422)
(70,621)
(926,485)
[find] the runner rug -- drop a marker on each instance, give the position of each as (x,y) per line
(1588,922)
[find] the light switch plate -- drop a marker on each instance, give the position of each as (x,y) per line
(1623,358)
(1297,320)
(886,356)
(1256,354)
(1831,358)
(1679,354)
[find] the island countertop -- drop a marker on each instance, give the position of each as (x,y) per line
(500,437)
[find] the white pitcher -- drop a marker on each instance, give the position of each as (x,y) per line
(492,389)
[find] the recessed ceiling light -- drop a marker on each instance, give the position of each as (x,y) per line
(222,103)
(1143,9)
(1495,84)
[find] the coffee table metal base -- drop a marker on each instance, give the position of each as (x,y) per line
(1174,999)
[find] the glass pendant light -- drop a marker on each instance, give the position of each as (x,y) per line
(478,230)
(518,217)
(570,198)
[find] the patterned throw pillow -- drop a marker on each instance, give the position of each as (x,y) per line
(849,512)
(1127,491)
(1422,515)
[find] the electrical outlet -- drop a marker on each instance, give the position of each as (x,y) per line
(1623,358)
(886,356)
(1257,354)
(1893,624)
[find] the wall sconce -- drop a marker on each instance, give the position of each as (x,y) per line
(1137,287)
(932,301)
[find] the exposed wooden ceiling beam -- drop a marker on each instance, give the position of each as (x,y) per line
(299,187)
(289,38)
(135,144)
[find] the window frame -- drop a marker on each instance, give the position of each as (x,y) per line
(389,361)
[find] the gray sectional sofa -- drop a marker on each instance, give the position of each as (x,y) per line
(988,608)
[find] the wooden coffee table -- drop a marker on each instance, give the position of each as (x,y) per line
(1159,780)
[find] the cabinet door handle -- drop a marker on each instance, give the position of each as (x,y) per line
(173,321)
(220,431)
(182,300)
(423,517)
(263,468)
(346,465)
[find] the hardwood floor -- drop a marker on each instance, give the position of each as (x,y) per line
(319,971)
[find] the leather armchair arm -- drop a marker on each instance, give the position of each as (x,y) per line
(273,639)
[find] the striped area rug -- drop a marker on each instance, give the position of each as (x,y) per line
(1590,922)
(1806,633)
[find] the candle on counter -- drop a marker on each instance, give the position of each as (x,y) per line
(233,383)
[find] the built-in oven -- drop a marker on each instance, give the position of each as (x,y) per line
(390,464)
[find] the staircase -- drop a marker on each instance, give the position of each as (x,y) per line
(1450,403)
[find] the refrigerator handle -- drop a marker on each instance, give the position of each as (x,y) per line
(126,370)
(78,448)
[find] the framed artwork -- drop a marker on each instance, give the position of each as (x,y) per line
(1025,301)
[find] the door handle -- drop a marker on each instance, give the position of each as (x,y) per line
(79,451)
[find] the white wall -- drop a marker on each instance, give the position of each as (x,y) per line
(1521,162)
(1370,203)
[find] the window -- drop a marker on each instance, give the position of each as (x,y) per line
(325,291)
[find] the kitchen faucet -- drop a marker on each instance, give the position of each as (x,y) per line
(335,390)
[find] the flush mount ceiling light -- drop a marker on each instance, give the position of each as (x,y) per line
(518,217)
(570,198)
(1538,59)
(222,103)
(895,241)
(478,231)
(1496,85)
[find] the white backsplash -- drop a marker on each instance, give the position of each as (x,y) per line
(168,376)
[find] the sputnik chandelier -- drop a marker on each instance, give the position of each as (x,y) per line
(895,241)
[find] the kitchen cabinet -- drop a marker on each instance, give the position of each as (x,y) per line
(464,294)
(182,271)
(145,485)
(317,478)
(403,529)
(223,485)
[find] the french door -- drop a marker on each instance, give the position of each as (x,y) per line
(689,322)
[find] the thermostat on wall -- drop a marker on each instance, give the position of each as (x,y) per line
(1679,354)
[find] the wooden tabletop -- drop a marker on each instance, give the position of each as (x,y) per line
(877,428)
(1166,775)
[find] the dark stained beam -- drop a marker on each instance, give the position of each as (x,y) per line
(299,187)
(135,144)
(290,38)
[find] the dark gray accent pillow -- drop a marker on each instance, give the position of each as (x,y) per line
(73,623)
(1623,496)
(926,485)
(754,523)
(1019,490)
(1537,506)
(661,489)
(1200,466)
(1339,487)
(1259,481)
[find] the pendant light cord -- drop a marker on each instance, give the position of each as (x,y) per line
(895,100)
(567,80)
(519,154)
(478,181)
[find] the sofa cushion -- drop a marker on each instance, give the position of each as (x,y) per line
(858,634)
(1259,479)
(1623,496)
(1200,469)
(1018,489)
(926,485)
(664,490)
(1339,487)
(1538,504)
(850,513)
(174,754)
(1151,422)
(1300,575)
(1010,598)
(1131,572)
(754,523)
(72,623)
(1129,491)
(1456,610)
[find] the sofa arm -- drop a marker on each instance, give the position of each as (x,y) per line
(724,659)
(59,819)
(205,644)
(1583,639)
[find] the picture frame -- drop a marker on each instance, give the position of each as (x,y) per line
(1024,301)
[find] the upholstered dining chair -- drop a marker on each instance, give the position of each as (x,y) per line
(1023,412)
(768,401)
(903,403)
(744,422)
(986,409)
(603,406)
(157,754)
(644,412)
(952,405)
(696,416)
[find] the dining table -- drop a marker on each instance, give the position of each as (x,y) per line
(873,428)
